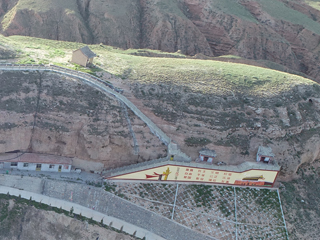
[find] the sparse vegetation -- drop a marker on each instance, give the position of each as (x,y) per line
(194,141)
(203,76)
(279,10)
(314,3)
(9,216)
(299,197)
(202,195)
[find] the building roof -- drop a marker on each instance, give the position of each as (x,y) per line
(208,152)
(87,52)
(265,151)
(35,158)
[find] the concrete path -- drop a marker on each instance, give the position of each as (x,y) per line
(106,88)
(83,177)
(106,203)
(86,212)
(96,83)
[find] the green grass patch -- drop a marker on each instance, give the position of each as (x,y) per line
(201,76)
(279,10)
(171,7)
(230,56)
(195,141)
(47,5)
(232,7)
(314,3)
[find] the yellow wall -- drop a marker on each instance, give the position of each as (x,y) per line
(181,173)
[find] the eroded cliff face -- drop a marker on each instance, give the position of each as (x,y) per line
(247,28)
(50,113)
(57,23)
(236,125)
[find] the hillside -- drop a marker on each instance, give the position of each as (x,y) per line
(23,219)
(227,106)
(285,32)
(54,114)
(230,107)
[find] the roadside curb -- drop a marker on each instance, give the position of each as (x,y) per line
(86,212)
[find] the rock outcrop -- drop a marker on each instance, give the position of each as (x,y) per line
(252,29)
(236,125)
(53,114)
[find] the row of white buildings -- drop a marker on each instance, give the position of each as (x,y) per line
(35,162)
(53,163)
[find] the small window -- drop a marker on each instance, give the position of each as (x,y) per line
(26,165)
(66,166)
(51,166)
(14,164)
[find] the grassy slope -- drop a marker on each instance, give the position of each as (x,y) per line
(280,11)
(233,8)
(170,6)
(314,3)
(200,75)
(43,6)
(204,76)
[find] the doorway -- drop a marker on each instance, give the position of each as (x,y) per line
(38,167)
(60,167)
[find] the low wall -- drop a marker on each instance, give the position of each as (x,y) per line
(247,174)
(99,200)
(86,212)
(96,83)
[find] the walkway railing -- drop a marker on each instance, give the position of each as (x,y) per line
(83,211)
(96,83)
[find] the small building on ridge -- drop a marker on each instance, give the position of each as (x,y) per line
(83,56)
(207,155)
(265,154)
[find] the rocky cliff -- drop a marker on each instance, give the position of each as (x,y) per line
(50,113)
(235,124)
(284,32)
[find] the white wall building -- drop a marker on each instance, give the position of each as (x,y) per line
(207,155)
(265,154)
(36,162)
